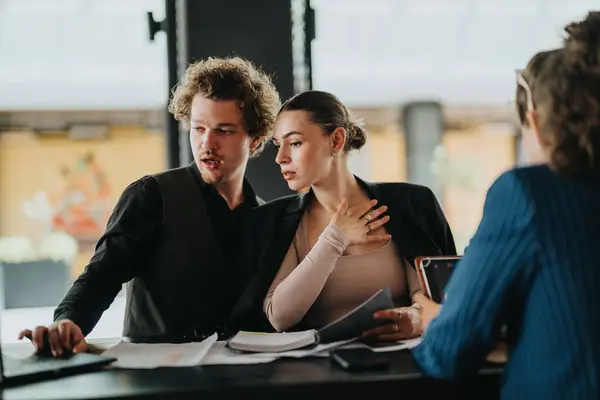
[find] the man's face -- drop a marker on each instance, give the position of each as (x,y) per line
(220,143)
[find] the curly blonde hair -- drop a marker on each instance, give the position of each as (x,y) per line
(231,78)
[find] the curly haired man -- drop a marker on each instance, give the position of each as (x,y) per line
(172,236)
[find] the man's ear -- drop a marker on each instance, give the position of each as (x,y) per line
(255,144)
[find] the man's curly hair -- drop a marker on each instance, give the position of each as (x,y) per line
(232,78)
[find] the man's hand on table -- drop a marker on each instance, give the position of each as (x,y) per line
(62,337)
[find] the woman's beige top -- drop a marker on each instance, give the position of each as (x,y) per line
(320,285)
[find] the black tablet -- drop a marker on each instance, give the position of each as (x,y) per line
(434,274)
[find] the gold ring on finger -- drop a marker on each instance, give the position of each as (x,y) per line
(395,326)
(368,218)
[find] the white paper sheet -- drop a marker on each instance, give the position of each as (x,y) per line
(220,354)
(400,345)
(146,356)
(407,344)
(321,350)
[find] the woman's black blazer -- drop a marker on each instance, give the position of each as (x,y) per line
(417,225)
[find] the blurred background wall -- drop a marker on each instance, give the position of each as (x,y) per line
(83,91)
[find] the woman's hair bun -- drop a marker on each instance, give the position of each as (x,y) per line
(358,137)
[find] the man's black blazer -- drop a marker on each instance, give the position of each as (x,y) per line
(417,225)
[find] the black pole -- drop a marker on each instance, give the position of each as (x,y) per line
(169,26)
(309,35)
(172,124)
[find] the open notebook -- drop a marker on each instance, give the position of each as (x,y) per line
(348,326)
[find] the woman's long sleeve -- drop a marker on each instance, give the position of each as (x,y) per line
(298,284)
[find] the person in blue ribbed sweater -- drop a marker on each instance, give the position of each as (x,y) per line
(534,261)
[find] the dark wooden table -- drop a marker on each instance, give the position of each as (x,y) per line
(314,378)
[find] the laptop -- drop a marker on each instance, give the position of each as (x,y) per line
(34,368)
(434,274)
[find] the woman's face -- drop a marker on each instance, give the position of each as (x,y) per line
(305,152)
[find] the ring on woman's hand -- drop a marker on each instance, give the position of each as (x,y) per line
(368,218)
(395,328)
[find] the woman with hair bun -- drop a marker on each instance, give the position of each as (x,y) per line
(533,264)
(324,252)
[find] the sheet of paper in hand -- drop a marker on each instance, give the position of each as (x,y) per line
(354,323)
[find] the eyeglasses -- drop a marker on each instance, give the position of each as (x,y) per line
(521,81)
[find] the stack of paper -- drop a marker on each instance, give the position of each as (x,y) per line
(273,342)
(220,354)
(211,352)
(143,355)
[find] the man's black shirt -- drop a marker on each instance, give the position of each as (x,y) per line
(132,233)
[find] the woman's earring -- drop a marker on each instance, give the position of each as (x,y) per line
(334,155)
